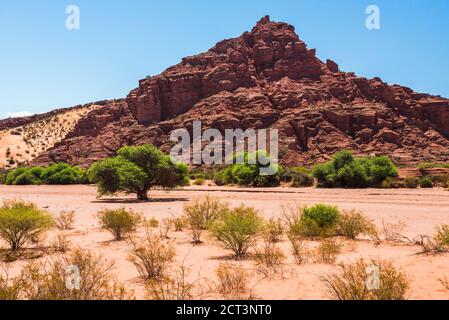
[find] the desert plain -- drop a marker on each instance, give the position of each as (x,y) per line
(418,210)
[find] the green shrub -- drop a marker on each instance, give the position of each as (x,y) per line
(351,224)
(237,229)
(298,177)
(317,221)
(151,257)
(56,174)
(119,222)
(373,280)
(199,182)
(248,173)
(21,222)
(273,230)
(426,182)
(411,183)
(442,234)
(391,183)
(201,213)
(327,252)
(345,171)
(219,178)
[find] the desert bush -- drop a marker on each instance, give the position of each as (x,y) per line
(273,230)
(233,282)
(179,224)
(442,234)
(199,181)
(301,252)
(411,183)
(119,222)
(11,288)
(48,280)
(445,283)
(269,259)
(63,174)
(327,251)
(21,222)
(201,213)
(345,171)
(298,177)
(60,242)
(65,220)
(426,182)
(372,280)
(392,183)
(237,229)
(248,172)
(219,178)
(151,257)
(152,223)
(392,231)
(317,221)
(58,173)
(174,287)
(164,228)
(351,224)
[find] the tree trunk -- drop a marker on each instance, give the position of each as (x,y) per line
(142,195)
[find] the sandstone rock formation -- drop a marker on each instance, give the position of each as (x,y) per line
(268,78)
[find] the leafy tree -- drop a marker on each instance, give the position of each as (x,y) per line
(20,222)
(248,173)
(137,170)
(345,171)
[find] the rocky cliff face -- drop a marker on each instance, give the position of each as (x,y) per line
(268,78)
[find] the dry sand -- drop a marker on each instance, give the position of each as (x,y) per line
(421,210)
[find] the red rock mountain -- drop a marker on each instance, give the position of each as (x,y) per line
(267,78)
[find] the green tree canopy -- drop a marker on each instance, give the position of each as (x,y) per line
(137,170)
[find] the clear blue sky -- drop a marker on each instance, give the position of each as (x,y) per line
(44,66)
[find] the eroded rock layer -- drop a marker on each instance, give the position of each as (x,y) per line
(268,78)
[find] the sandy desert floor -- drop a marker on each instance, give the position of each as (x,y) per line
(420,210)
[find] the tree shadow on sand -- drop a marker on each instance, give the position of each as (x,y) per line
(130,201)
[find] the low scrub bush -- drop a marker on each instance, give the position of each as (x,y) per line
(21,222)
(11,288)
(201,213)
(233,282)
(372,280)
(300,250)
(237,229)
(442,234)
(151,257)
(199,182)
(298,177)
(351,224)
(65,220)
(317,221)
(119,222)
(345,171)
(89,275)
(411,183)
(327,251)
(175,286)
(269,259)
(273,230)
(426,182)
